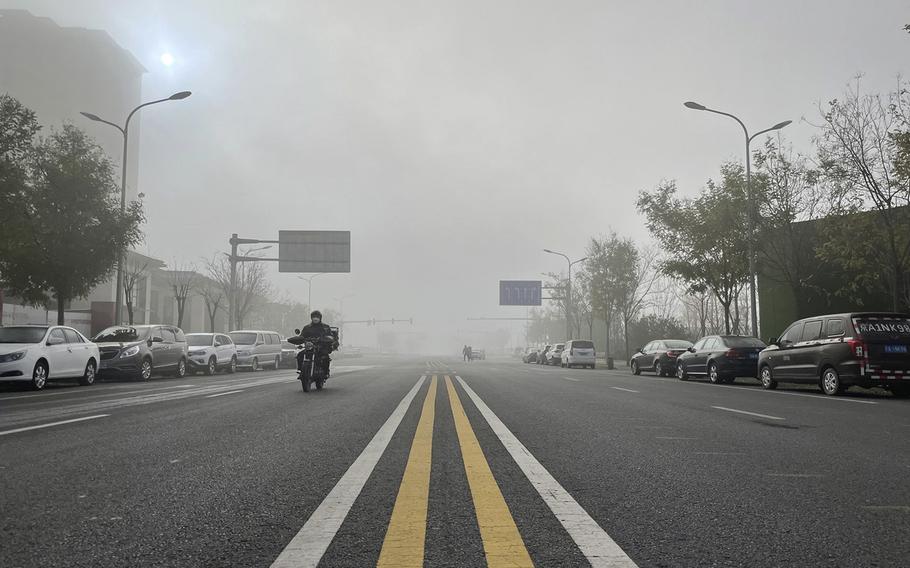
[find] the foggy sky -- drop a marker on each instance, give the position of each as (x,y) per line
(457,139)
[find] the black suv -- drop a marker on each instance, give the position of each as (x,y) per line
(839,350)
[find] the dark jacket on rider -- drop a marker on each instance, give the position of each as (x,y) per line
(317,331)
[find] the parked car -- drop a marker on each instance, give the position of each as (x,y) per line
(839,350)
(530,355)
(478,354)
(554,356)
(138,351)
(579,353)
(257,349)
(542,354)
(40,353)
(721,358)
(659,356)
(211,352)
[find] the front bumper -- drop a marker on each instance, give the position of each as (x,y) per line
(20,370)
(120,366)
(245,360)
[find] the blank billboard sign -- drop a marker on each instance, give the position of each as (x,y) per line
(314,251)
(519,292)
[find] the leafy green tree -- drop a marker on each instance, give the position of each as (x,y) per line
(72,229)
(18,128)
(704,238)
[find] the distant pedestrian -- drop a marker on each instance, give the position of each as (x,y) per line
(466,352)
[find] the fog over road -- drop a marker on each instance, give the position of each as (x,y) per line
(487,463)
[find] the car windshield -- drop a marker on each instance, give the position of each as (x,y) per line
(744,342)
(243,338)
(674,344)
(22,334)
(199,339)
(122,334)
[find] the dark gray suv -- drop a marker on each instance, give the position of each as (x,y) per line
(138,351)
(839,350)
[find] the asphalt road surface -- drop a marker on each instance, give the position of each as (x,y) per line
(415,462)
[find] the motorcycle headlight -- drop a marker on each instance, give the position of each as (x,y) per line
(12,356)
(130,352)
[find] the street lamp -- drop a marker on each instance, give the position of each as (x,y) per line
(309,283)
(125,130)
(753,305)
(568,290)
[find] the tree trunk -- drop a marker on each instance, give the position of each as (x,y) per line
(607,348)
(61,303)
(625,334)
(129,309)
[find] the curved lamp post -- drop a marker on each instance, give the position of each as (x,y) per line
(568,290)
(125,131)
(753,306)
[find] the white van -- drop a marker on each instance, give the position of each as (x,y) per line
(579,353)
(257,349)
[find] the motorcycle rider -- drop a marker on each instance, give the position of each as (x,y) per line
(315,331)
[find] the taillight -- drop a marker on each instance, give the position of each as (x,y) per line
(857,348)
(671,354)
(733,354)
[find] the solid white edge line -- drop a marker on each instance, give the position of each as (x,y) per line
(309,545)
(594,542)
(573,380)
(622,389)
(748,413)
(223,393)
(27,428)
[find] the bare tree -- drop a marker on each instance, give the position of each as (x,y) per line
(214,298)
(131,277)
(636,285)
(182,282)
(253,289)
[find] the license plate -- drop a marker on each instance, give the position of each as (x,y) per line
(895,348)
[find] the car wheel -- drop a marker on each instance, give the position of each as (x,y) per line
(88,377)
(767,378)
(714,374)
(232,368)
(211,367)
(681,373)
(145,369)
(39,375)
(657,370)
(830,382)
(254,366)
(181,369)
(635,369)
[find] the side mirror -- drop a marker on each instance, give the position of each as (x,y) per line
(54,341)
(772,341)
(296,332)
(640,350)
(157,339)
(691,349)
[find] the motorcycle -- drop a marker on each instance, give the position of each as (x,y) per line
(313,359)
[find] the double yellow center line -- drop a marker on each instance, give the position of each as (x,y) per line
(404,542)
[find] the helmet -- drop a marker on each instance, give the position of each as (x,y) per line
(316,314)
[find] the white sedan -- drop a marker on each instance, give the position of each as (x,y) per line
(37,354)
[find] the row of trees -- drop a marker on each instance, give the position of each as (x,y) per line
(694,284)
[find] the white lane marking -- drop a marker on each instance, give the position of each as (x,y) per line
(573,380)
(4,433)
(309,545)
(813,396)
(595,544)
(748,413)
(674,438)
(719,453)
(795,474)
(622,389)
(223,393)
